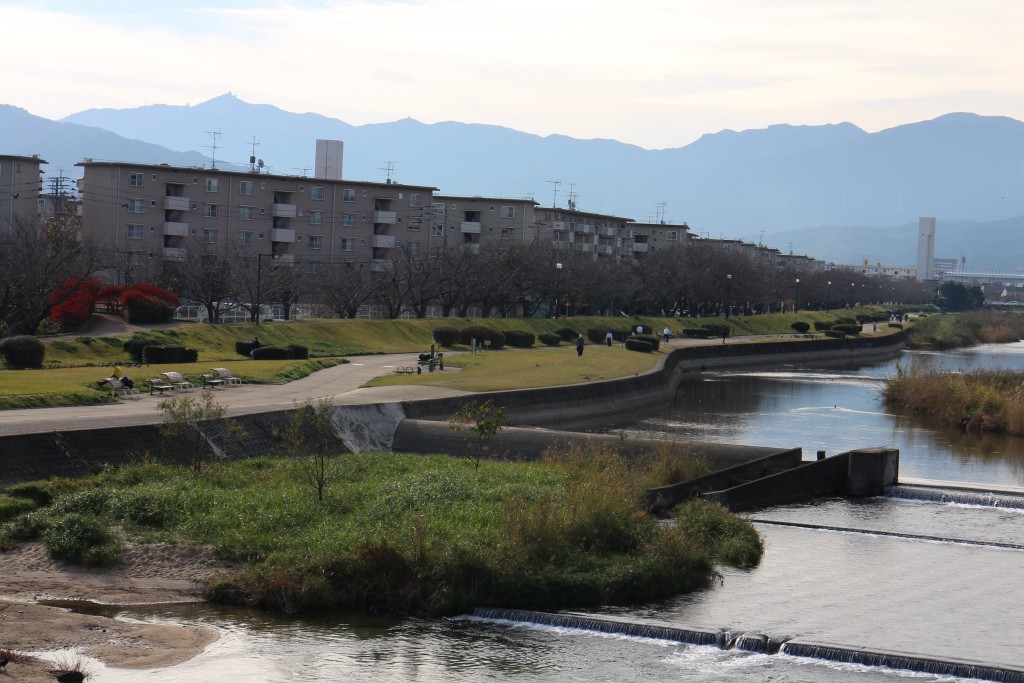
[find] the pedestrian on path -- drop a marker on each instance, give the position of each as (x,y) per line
(579,346)
(608,338)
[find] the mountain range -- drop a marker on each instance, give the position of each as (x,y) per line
(782,185)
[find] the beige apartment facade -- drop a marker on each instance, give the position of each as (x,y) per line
(470,222)
(20,188)
(596,234)
(153,212)
(650,237)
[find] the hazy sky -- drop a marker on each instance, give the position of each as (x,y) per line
(656,73)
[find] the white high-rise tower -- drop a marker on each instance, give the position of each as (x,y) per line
(925,249)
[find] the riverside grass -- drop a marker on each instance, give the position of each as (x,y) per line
(981,400)
(416,534)
(959,330)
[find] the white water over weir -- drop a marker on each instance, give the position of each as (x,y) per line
(760,643)
(952,495)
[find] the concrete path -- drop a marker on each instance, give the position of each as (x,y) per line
(341,382)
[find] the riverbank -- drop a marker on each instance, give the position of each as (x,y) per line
(983,400)
(961,330)
(148,574)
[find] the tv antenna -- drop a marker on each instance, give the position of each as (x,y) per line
(554,201)
(254,166)
(571,200)
(213,157)
(659,212)
(389,168)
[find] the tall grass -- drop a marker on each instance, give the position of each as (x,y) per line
(411,534)
(953,331)
(980,400)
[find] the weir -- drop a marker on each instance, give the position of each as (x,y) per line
(936,494)
(761,643)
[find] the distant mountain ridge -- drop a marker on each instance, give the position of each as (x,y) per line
(752,184)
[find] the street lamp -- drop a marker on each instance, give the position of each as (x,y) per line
(558,285)
(728,294)
(796,299)
(828,297)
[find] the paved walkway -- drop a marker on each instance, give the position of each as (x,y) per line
(341,382)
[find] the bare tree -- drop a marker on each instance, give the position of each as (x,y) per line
(207,275)
(312,440)
(344,287)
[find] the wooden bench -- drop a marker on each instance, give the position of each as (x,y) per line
(210,380)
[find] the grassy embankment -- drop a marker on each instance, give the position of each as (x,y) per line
(982,400)
(409,534)
(73,365)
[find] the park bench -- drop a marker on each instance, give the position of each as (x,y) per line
(212,381)
(228,377)
(405,369)
(159,385)
(118,388)
(177,381)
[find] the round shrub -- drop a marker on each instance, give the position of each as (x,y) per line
(621,335)
(835,334)
(651,339)
(141,310)
(549,339)
(800,327)
(822,325)
(447,336)
(165,354)
(83,540)
(483,334)
(567,333)
(244,348)
(852,330)
(299,352)
(898,326)
(272,353)
(597,334)
(718,329)
(637,344)
(519,338)
(23,351)
(134,345)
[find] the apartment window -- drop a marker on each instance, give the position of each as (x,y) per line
(671,235)
(210,210)
(212,185)
(348,220)
(437,230)
(312,266)
(245,237)
(506,233)
(246,213)
(415,200)
(247,187)
(316,217)
(348,244)
(508,212)
(136,179)
(316,241)
(136,205)
(134,231)
(348,195)
(414,248)
(316,192)
(413,225)
(209,235)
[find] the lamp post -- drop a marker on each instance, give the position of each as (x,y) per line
(853,294)
(828,297)
(796,299)
(728,294)
(558,285)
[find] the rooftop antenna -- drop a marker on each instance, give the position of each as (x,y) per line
(389,168)
(659,211)
(554,201)
(760,239)
(572,200)
(304,171)
(213,157)
(253,168)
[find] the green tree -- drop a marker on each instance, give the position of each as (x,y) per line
(311,440)
(482,420)
(195,428)
(954,296)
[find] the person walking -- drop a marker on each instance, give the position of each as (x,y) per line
(667,333)
(608,338)
(579,346)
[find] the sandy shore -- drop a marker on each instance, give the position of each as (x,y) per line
(149,574)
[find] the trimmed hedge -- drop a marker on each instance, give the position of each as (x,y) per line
(483,334)
(822,325)
(144,310)
(161,354)
(519,338)
(697,332)
(638,344)
(446,335)
(651,339)
(23,351)
(852,330)
(136,343)
(567,334)
(801,327)
(597,334)
(299,352)
(244,348)
(835,334)
(272,353)
(718,329)
(549,339)
(898,326)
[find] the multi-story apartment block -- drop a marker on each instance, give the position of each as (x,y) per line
(575,231)
(648,237)
(20,184)
(472,221)
(147,211)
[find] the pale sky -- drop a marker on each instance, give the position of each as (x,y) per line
(655,73)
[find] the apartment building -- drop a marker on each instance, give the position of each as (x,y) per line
(20,185)
(572,230)
(156,211)
(648,237)
(473,221)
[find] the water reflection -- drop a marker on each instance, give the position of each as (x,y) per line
(834,410)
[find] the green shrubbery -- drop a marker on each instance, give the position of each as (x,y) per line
(801,327)
(636,344)
(519,338)
(447,336)
(654,341)
(23,351)
(271,352)
(550,339)
(567,334)
(851,330)
(483,334)
(822,325)
(166,355)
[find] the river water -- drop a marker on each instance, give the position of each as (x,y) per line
(935,580)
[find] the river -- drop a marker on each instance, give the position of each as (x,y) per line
(934,580)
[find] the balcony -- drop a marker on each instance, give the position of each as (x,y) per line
(176,203)
(282,235)
(175,229)
(176,253)
(470,227)
(639,246)
(585,228)
(607,231)
(383,241)
(385,218)
(283,211)
(558,226)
